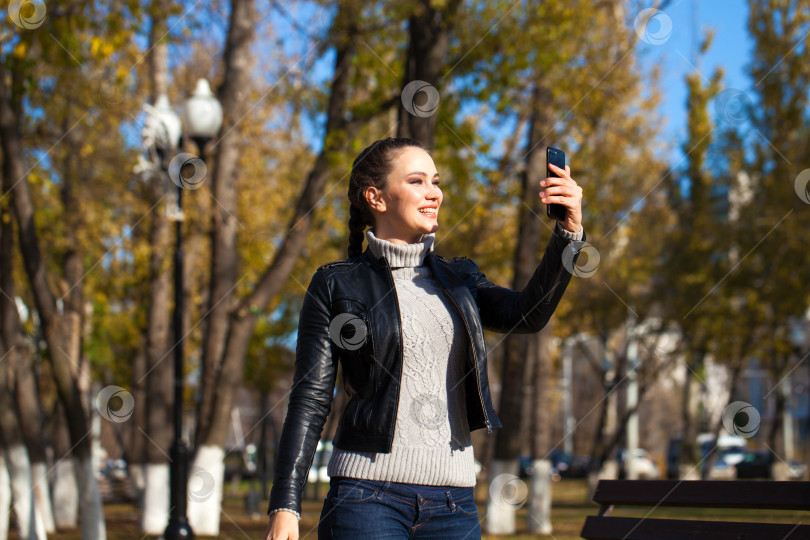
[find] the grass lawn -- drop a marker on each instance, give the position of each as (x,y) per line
(569,510)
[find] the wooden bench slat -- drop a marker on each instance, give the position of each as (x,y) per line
(625,528)
(712,493)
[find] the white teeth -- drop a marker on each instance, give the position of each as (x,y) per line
(428,211)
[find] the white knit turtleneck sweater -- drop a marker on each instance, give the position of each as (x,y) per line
(431,437)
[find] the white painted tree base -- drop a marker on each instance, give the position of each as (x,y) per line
(42,495)
(539,521)
(155,515)
(504,497)
(65,495)
(5,497)
(205,483)
(22,494)
(137,478)
(92,513)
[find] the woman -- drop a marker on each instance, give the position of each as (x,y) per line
(406,327)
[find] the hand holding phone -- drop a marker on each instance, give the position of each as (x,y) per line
(555,156)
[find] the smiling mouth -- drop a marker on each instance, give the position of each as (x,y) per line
(428,211)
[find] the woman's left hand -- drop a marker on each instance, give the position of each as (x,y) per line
(564,191)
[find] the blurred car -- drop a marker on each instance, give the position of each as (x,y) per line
(706,444)
(724,464)
(563,465)
(578,467)
(760,465)
(646,469)
(755,465)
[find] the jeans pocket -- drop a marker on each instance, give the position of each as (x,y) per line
(349,493)
(467,506)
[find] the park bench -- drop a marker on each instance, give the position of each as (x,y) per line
(696,494)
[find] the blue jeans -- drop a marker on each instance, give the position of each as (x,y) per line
(375,510)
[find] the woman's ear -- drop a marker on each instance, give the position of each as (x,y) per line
(374,198)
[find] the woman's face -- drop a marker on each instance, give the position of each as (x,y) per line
(408,207)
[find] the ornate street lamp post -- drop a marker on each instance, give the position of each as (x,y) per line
(203,117)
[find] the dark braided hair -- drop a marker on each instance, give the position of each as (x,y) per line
(370,168)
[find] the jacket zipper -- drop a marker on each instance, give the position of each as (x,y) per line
(401,346)
(472,345)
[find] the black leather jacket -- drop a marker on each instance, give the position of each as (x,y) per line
(350,316)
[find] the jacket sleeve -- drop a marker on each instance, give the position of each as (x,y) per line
(528,311)
(310,398)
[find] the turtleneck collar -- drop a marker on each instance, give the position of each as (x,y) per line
(401,255)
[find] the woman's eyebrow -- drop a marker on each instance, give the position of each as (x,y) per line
(418,173)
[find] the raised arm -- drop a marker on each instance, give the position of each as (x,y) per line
(527,311)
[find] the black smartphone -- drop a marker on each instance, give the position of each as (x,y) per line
(555,156)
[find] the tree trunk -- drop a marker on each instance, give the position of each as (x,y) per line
(61,330)
(689,455)
(224,257)
(539,520)
(135,454)
(516,346)
(779,467)
(429,30)
(65,489)
(31,423)
(159,368)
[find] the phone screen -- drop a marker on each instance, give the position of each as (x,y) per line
(555,156)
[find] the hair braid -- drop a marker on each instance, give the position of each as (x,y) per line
(357,225)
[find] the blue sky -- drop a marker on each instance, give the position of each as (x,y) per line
(731,48)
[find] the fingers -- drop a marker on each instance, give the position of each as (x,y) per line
(563,174)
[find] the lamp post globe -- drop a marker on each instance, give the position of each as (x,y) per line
(203,115)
